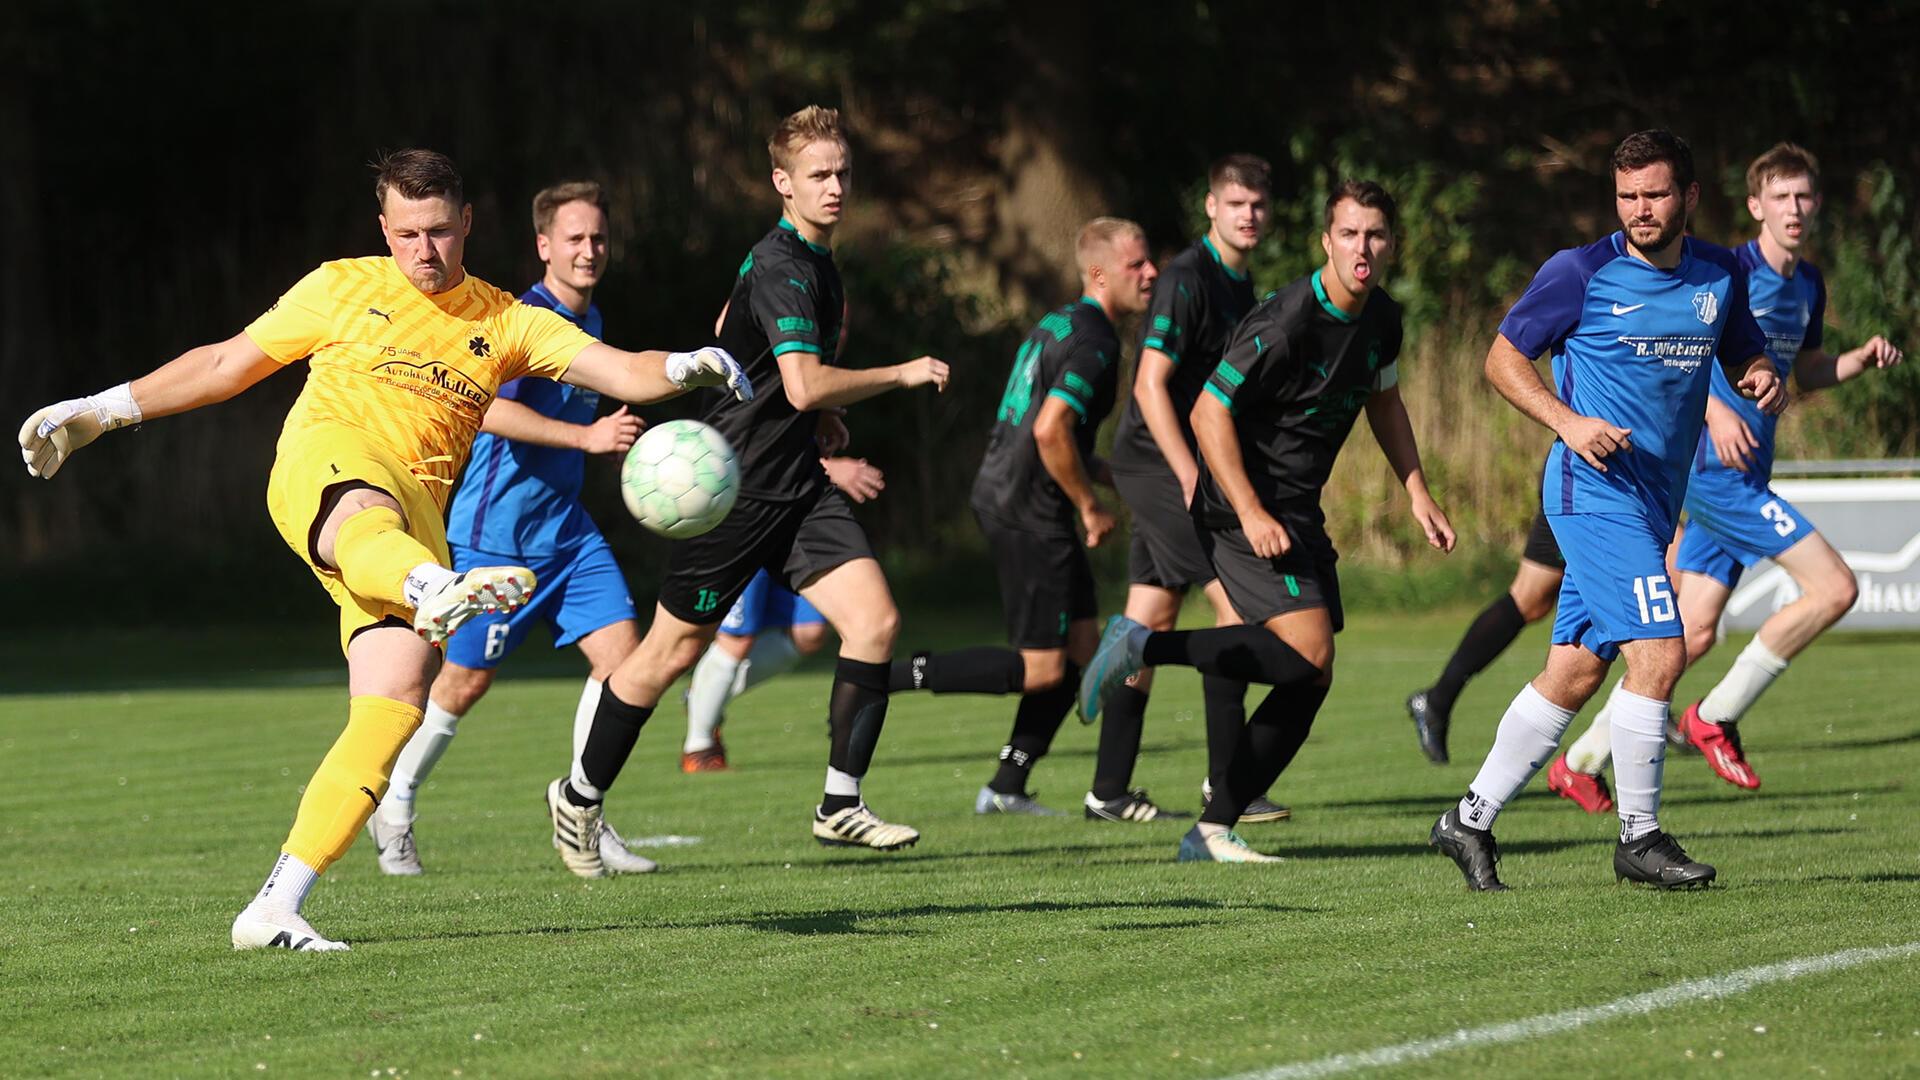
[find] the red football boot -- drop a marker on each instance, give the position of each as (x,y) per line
(1587,789)
(1720,745)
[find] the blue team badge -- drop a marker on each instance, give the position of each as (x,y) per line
(1706,306)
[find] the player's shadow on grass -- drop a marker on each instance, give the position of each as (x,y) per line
(1888,877)
(1856,744)
(848,921)
(1725,795)
(984,756)
(885,864)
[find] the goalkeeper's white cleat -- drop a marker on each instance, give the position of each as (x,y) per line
(394,844)
(279,930)
(615,856)
(482,589)
(576,832)
(857,826)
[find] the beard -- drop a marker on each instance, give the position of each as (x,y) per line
(1665,239)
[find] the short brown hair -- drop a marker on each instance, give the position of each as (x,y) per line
(1782,162)
(549,200)
(811,124)
(1247,170)
(417,174)
(1650,147)
(1099,234)
(1368,194)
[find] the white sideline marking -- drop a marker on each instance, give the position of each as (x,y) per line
(1534,1027)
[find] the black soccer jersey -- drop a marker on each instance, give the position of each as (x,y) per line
(786,299)
(1069,356)
(1196,304)
(1295,376)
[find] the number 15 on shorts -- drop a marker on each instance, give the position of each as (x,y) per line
(1655,597)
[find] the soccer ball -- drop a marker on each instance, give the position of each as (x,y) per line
(680,479)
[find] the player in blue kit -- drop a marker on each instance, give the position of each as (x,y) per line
(520,500)
(1634,323)
(1734,519)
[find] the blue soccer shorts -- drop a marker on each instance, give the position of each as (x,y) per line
(577,593)
(1731,525)
(766,604)
(1616,587)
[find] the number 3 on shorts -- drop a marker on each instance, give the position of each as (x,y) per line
(1655,597)
(1783,522)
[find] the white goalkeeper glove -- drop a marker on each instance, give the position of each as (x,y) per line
(711,366)
(51,435)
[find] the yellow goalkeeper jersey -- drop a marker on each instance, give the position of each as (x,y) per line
(414,372)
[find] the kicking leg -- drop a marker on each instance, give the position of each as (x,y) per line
(1528,600)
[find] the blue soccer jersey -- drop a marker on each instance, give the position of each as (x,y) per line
(1633,344)
(1791,313)
(522,500)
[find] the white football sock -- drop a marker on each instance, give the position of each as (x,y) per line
(1639,758)
(1589,752)
(839,783)
(416,760)
(773,652)
(286,887)
(583,718)
(1526,739)
(1753,671)
(707,696)
(423,580)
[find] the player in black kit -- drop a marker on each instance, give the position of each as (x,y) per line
(1203,294)
(1269,424)
(784,315)
(1036,484)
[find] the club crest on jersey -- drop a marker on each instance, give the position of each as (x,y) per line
(1706,306)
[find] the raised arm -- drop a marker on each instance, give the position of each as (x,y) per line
(610,434)
(641,378)
(812,385)
(200,376)
(1053,437)
(1816,369)
(1393,430)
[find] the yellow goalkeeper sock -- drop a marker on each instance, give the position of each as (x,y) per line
(375,555)
(350,781)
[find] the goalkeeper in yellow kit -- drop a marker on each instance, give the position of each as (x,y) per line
(405,354)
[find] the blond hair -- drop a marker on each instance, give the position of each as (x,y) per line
(809,125)
(1098,236)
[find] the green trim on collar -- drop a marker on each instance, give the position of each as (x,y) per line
(1320,294)
(1237,275)
(795,230)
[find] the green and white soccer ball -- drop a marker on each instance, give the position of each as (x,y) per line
(680,479)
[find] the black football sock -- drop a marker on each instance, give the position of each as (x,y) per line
(1226,701)
(1492,631)
(1034,725)
(856,712)
(616,725)
(1122,719)
(1251,653)
(980,670)
(1273,735)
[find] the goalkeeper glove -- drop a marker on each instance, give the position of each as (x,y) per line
(51,435)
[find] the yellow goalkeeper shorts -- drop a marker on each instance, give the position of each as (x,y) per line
(311,467)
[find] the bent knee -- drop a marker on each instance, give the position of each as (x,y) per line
(1840,596)
(877,628)
(808,637)
(458,689)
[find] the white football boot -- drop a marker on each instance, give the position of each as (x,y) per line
(482,589)
(279,930)
(856,826)
(615,856)
(576,832)
(394,844)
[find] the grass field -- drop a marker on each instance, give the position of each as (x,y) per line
(139,818)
